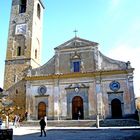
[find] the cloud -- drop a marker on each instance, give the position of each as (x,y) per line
(134,29)
(115,3)
(113,10)
(125,52)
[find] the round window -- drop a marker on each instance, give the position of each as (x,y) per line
(42,90)
(114,85)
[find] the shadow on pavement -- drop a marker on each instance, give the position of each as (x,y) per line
(32,136)
(83,135)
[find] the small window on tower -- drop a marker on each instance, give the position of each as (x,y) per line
(15,78)
(38,10)
(22,6)
(19,51)
(16,91)
(36,54)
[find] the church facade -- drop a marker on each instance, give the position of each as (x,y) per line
(78,82)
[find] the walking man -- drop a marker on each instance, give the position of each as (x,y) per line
(42,126)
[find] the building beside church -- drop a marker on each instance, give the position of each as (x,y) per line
(78,82)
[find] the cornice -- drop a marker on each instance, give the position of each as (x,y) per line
(78,75)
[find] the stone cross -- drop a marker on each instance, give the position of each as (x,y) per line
(75,31)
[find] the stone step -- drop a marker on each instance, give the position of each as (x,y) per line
(64,123)
(85,123)
(119,122)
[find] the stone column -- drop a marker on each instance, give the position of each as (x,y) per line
(56,100)
(28,97)
(99,97)
(131,91)
(57,71)
(69,103)
(98,101)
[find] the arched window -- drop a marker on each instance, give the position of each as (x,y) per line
(76,63)
(36,54)
(16,91)
(19,51)
(76,66)
(38,10)
(15,80)
(22,6)
(38,43)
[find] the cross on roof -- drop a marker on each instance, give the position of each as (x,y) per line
(75,31)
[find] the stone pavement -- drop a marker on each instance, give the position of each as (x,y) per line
(76,133)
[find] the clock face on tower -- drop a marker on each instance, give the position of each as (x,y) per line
(20,29)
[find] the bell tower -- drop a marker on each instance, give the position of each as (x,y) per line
(24,39)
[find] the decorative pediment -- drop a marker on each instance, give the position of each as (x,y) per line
(77,85)
(76,42)
(76,56)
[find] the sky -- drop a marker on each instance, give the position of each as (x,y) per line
(114,24)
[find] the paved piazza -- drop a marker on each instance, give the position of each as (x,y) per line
(33,133)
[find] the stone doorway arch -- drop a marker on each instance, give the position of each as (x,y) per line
(41,110)
(116,108)
(77,108)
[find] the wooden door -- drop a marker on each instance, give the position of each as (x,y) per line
(41,110)
(116,108)
(77,108)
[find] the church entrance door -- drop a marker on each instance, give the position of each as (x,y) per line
(77,108)
(41,110)
(116,108)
